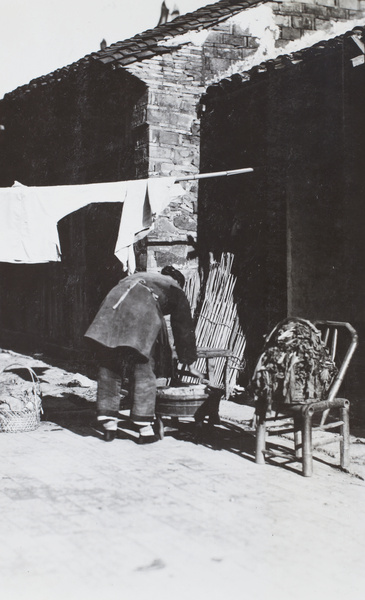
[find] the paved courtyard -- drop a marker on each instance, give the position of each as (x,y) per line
(83,519)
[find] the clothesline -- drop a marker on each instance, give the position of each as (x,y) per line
(216,174)
(29,215)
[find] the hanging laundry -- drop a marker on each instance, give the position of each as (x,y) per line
(140,212)
(29,216)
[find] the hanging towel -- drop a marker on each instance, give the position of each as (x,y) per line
(140,212)
(134,223)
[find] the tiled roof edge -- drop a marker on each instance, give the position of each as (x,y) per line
(283,61)
(144,45)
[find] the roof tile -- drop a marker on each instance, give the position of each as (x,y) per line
(127,60)
(145,54)
(144,45)
(107,59)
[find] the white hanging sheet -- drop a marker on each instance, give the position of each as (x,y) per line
(29,215)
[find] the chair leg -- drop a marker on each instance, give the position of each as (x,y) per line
(260,441)
(307,445)
(345,438)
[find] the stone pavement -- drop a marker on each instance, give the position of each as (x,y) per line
(83,519)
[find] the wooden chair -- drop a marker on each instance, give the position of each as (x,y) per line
(204,404)
(301,415)
(210,356)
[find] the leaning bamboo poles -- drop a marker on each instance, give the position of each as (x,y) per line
(217,322)
(192,290)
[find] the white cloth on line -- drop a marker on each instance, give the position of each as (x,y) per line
(29,216)
(139,213)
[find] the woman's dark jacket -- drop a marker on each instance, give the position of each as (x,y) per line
(131,316)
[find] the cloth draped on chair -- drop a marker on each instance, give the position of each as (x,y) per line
(294,367)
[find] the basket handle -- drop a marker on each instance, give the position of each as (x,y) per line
(34,376)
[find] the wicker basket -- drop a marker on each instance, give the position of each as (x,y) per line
(28,418)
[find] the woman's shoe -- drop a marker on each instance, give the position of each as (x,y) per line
(147,439)
(147,435)
(108,427)
(109,435)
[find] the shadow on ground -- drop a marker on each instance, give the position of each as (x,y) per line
(77,415)
(74,413)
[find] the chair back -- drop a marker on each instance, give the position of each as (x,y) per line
(334,332)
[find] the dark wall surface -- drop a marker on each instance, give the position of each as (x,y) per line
(76,131)
(296,226)
(245,214)
(48,307)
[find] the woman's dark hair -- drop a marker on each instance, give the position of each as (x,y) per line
(175,274)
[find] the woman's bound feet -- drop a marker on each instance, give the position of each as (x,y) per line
(108,426)
(147,435)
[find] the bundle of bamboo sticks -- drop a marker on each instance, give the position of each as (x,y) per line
(216,317)
(192,290)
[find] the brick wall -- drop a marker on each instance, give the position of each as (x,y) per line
(295,19)
(176,82)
